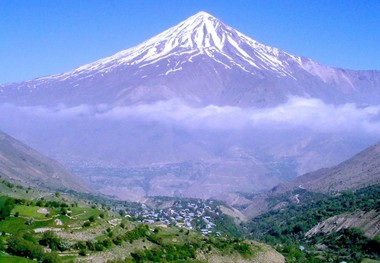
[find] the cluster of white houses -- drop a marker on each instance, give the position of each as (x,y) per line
(190,215)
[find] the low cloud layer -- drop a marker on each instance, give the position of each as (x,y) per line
(297,112)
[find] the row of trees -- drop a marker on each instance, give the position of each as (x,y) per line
(22,246)
(141,231)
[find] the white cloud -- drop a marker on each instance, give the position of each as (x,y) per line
(316,115)
(297,112)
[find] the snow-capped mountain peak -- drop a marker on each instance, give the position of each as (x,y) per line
(201,61)
(197,32)
(200,34)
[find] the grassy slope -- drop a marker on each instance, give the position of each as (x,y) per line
(13,259)
(30,220)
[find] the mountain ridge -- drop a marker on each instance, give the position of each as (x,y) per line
(22,164)
(359,171)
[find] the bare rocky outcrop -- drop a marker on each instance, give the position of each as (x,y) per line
(368,222)
(261,253)
(234,213)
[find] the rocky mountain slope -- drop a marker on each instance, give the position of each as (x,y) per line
(368,222)
(20,163)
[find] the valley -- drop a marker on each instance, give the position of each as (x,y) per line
(235,115)
(300,224)
(199,144)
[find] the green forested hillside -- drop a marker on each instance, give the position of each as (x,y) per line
(286,227)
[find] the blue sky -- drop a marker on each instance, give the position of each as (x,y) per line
(42,37)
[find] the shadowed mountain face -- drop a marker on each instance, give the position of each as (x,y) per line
(360,171)
(198,110)
(26,166)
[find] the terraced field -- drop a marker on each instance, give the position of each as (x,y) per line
(54,228)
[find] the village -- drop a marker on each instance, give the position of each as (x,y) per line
(187,214)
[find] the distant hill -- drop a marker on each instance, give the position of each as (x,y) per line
(360,171)
(335,211)
(22,164)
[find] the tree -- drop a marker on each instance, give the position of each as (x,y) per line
(2,246)
(122,213)
(6,207)
(63,210)
(91,219)
(50,239)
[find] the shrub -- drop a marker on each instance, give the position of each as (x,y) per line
(80,245)
(90,245)
(82,252)
(51,258)
(21,247)
(107,243)
(63,210)
(117,240)
(99,246)
(51,240)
